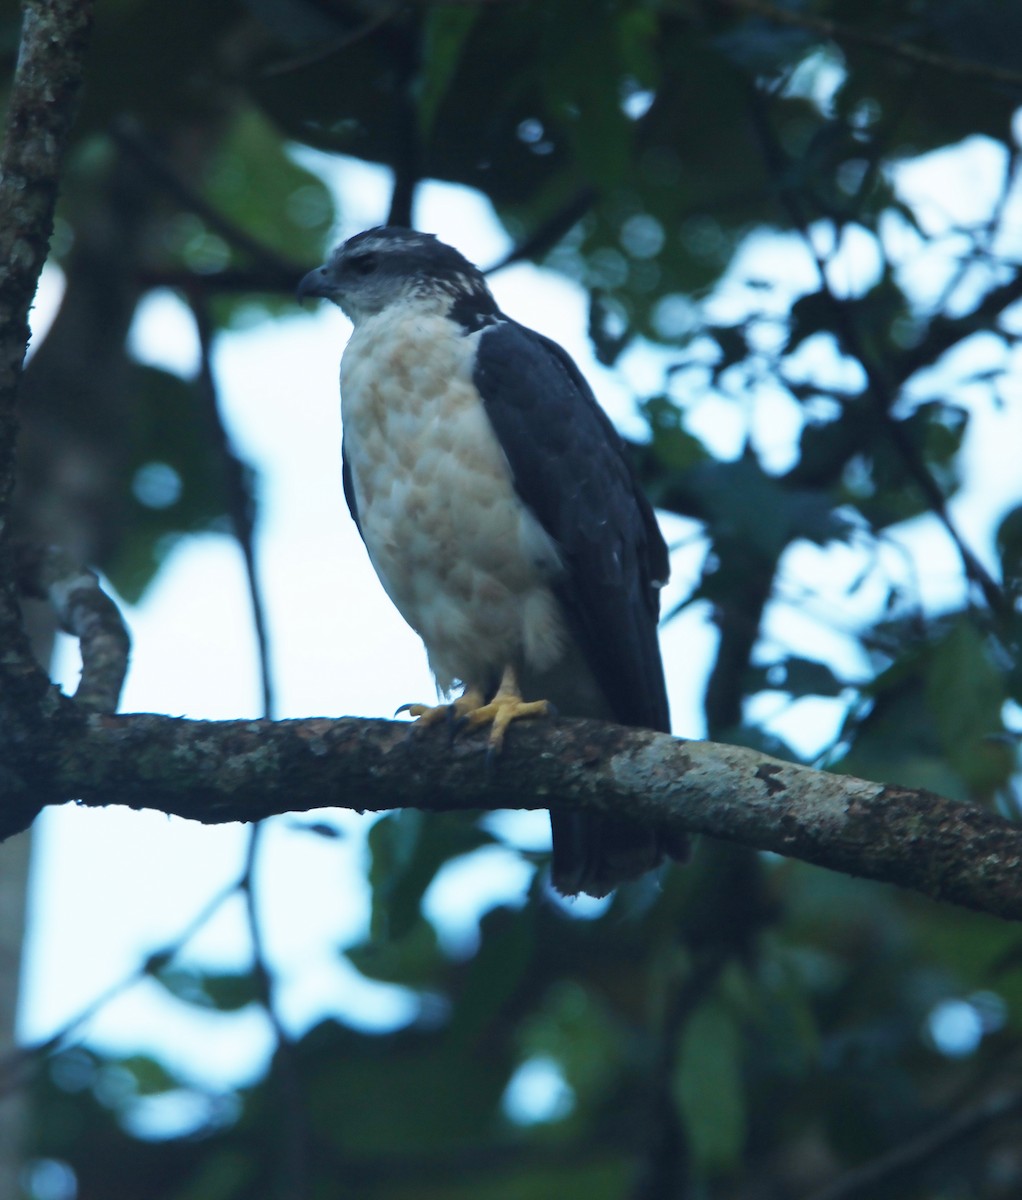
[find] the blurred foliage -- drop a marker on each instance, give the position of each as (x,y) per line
(734,191)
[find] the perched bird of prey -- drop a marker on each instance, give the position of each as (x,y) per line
(500,514)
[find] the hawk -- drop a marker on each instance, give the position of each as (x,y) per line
(500,513)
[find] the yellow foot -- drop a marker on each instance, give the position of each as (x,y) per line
(432,714)
(471,711)
(506,706)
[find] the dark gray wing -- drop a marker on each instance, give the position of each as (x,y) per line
(568,466)
(349,488)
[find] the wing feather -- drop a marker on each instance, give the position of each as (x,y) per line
(349,489)
(569,468)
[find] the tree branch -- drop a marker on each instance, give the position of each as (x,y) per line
(246,770)
(43,104)
(42,107)
(240,494)
(84,611)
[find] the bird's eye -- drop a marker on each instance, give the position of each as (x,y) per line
(364,264)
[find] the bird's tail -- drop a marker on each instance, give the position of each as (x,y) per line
(595,854)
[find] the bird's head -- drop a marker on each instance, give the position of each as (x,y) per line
(389,265)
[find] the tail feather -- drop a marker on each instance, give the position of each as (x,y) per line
(595,854)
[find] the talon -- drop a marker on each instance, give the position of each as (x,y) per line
(426,714)
(470,711)
(454,714)
(506,706)
(423,713)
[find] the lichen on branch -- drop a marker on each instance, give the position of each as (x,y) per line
(215,771)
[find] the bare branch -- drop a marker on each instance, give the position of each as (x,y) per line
(84,611)
(550,231)
(324,50)
(240,494)
(247,770)
(292,1108)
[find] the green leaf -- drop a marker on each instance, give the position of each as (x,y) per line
(878,480)
(256,183)
(231,992)
(733,346)
(413,959)
(184,983)
(322,829)
(1009,550)
(966,693)
(167,441)
(709,1089)
(810,314)
(408,1094)
(781,1011)
(938,429)
(506,951)
(149,1077)
(447,28)
(408,848)
(224,991)
(744,504)
(798,677)
(575,1028)
(674,446)
(582,81)
(393,842)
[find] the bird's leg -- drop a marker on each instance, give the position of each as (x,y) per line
(431,714)
(506,706)
(471,710)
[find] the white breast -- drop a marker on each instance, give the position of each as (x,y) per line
(464,561)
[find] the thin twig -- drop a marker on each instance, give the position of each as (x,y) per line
(332,46)
(16,1068)
(665,1167)
(944,332)
(408,158)
(997,1107)
(907,51)
(546,235)
(241,503)
(296,1128)
(983,238)
(129,137)
(240,498)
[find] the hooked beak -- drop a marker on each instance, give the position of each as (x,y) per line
(313,284)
